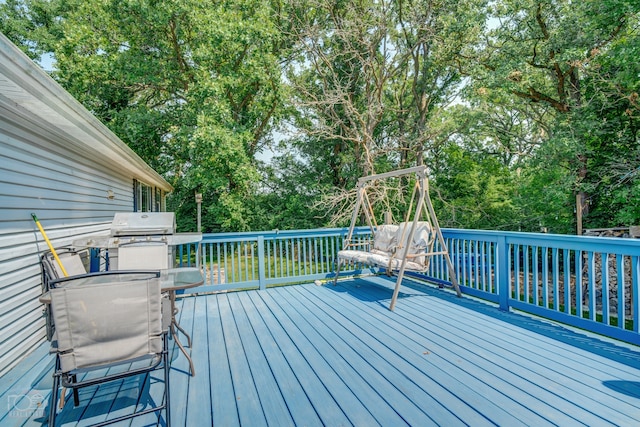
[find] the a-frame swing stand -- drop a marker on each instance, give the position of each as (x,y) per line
(402,255)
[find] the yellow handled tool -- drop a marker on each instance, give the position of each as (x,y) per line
(46,239)
(64,271)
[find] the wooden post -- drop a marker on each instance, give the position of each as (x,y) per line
(387,217)
(579,214)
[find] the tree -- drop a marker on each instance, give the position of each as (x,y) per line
(193,88)
(372,80)
(431,37)
(543,52)
(341,74)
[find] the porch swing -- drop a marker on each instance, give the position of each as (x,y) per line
(408,246)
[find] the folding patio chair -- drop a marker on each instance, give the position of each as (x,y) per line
(72,260)
(104,320)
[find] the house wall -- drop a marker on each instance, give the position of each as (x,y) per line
(69,197)
(60,163)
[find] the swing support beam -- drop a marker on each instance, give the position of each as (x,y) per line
(423,206)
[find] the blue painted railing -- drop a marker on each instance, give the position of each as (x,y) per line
(588,282)
(233,261)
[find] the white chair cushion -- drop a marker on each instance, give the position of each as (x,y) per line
(418,244)
(385,238)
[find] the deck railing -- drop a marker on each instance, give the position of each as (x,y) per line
(588,282)
(233,261)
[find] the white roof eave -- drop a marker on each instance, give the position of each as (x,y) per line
(42,103)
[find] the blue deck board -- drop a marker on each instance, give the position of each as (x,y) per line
(221,387)
(272,403)
(199,391)
(454,367)
(364,381)
(244,387)
(336,371)
(542,366)
(180,382)
(299,406)
(273,343)
(335,355)
(303,364)
(539,366)
(413,368)
(532,374)
(452,357)
(365,372)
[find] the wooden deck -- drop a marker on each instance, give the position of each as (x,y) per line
(323,355)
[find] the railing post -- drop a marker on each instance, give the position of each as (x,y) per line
(198,253)
(503,259)
(262,277)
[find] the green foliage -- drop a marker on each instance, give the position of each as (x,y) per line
(287,200)
(472,191)
(517,107)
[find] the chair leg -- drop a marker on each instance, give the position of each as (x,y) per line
(53,401)
(76,395)
(167,372)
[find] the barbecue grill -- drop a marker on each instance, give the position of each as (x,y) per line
(141,240)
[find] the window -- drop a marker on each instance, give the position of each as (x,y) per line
(157,200)
(144,200)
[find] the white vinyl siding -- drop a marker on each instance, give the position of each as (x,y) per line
(59,162)
(69,197)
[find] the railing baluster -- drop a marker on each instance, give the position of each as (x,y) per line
(622,297)
(604,288)
(244,256)
(536,276)
(579,295)
(527,280)
(314,242)
(635,292)
(516,271)
(545,277)
(227,276)
(262,279)
(592,286)
(281,258)
(567,280)
(555,279)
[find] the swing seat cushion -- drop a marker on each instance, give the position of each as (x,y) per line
(420,242)
(385,239)
(386,252)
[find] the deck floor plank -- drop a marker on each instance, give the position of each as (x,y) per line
(366,357)
(318,394)
(335,355)
(462,365)
(223,402)
(199,395)
(271,401)
(572,400)
(244,388)
(180,379)
(302,337)
(527,371)
(363,380)
(424,365)
(298,403)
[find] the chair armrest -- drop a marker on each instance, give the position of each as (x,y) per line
(45,298)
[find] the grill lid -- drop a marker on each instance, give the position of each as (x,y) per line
(143,223)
